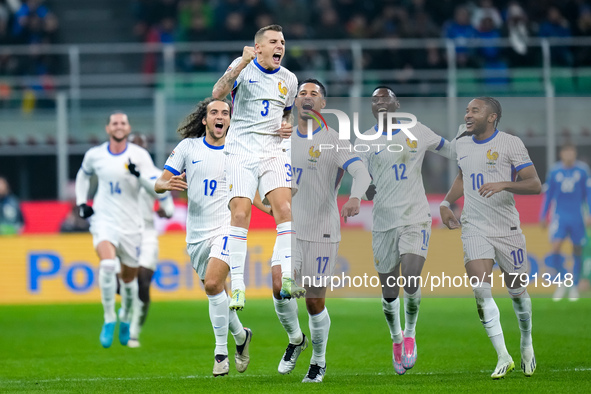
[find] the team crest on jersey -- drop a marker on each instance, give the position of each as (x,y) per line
(491,158)
(171,155)
(412,145)
(282,89)
(314,154)
(231,187)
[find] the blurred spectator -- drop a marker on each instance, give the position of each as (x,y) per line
(4,20)
(28,17)
(233,29)
(330,26)
(11,217)
(516,29)
(197,31)
(441,10)
(461,30)
(556,25)
(73,223)
(583,57)
(486,9)
(190,10)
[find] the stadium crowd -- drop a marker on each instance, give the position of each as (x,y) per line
(28,22)
(170,21)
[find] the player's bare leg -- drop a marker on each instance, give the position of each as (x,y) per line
(107,280)
(280,200)
(489,313)
(287,312)
(240,208)
(319,323)
(411,266)
(391,308)
(523,310)
(224,319)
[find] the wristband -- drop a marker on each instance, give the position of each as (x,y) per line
(445,203)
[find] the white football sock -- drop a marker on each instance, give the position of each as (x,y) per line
(319,327)
(523,311)
(411,312)
(129,299)
(282,248)
(235,326)
(218,314)
(287,312)
(392,313)
(238,248)
(108,286)
(490,318)
(136,317)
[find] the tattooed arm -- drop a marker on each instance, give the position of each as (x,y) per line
(225,84)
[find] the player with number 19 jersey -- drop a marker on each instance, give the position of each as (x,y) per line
(208,215)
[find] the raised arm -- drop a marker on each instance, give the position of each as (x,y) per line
(224,85)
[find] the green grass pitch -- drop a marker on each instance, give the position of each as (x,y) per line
(56,348)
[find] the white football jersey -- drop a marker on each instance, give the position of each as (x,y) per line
(208,214)
(116,202)
(317,175)
(496,159)
(395,166)
(147,201)
(259,97)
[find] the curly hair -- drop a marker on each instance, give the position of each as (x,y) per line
(192,126)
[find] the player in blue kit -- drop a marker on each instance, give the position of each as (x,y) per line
(567,189)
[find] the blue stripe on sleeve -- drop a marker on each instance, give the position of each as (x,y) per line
(440,144)
(169,168)
(524,165)
(351,160)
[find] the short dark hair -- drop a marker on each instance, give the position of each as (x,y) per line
(384,87)
(262,31)
(192,126)
(494,105)
(568,145)
(115,113)
(316,82)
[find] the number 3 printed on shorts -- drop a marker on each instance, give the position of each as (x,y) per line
(265,110)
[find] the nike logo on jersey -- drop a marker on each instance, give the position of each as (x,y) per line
(196,161)
(378,152)
(463,157)
(235,267)
(251,81)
